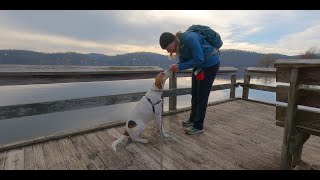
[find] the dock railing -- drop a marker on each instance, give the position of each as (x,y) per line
(48,74)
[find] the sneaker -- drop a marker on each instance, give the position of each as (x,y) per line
(192,130)
(187,123)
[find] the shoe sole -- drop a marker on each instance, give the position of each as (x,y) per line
(187,125)
(200,131)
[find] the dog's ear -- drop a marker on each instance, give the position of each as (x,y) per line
(158,82)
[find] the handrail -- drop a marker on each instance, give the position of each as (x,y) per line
(254,71)
(44,74)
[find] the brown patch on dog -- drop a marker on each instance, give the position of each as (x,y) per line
(159,80)
(132,124)
(126,133)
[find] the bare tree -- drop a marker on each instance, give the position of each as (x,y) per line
(267,61)
(311,53)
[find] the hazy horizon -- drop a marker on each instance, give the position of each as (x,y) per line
(132,52)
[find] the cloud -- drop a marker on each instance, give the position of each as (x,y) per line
(301,41)
(11,39)
(115,32)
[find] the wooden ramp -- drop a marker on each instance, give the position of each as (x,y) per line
(238,134)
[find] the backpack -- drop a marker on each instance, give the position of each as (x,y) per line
(210,35)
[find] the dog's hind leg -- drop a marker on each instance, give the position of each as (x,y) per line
(136,132)
(122,138)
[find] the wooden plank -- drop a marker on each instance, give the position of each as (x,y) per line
(245,92)
(233,89)
(39,157)
(283,74)
(252,140)
(307,96)
(291,122)
(14,160)
(53,156)
(247,117)
(206,155)
(308,75)
(249,152)
(297,63)
(71,155)
(106,154)
(259,101)
(155,154)
(222,71)
(218,147)
(173,85)
(189,108)
(68,69)
(133,148)
(238,124)
(89,155)
(261,70)
(205,144)
(237,134)
(177,151)
(59,135)
(15,111)
(244,119)
(29,158)
(184,91)
(51,79)
(282,93)
(34,158)
(306,118)
(45,74)
(2,159)
(311,131)
(173,152)
(258,87)
(128,159)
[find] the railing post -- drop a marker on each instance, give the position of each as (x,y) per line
(233,89)
(173,85)
(245,92)
(290,131)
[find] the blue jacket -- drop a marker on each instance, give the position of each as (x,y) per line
(193,50)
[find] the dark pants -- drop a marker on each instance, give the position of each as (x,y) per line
(200,94)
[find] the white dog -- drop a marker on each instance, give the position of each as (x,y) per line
(149,107)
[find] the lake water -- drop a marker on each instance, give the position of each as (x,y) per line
(17,129)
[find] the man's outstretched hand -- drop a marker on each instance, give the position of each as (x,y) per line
(174,67)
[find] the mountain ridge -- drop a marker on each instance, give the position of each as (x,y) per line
(230,57)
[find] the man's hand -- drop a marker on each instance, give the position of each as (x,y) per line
(174,67)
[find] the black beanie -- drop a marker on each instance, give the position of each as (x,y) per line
(165,39)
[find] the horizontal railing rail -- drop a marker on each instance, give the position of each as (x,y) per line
(46,74)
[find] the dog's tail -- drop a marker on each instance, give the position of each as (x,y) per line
(123,137)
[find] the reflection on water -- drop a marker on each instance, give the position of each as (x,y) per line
(12,130)
(264,79)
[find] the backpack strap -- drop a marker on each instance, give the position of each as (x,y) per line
(214,52)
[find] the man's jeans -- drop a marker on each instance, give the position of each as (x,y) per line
(200,94)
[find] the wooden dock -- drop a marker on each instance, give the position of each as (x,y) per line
(239,134)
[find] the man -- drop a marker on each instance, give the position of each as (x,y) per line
(195,52)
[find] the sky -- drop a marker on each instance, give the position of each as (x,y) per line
(112,32)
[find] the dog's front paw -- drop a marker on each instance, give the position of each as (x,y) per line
(165,135)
